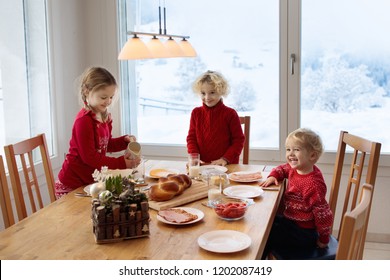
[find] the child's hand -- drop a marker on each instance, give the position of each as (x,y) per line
(268,182)
(130,138)
(132,163)
(321,245)
(220,161)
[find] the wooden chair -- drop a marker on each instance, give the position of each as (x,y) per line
(24,150)
(361,149)
(354,227)
(5,199)
(246,121)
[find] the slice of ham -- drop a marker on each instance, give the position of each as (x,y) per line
(246,176)
(176,215)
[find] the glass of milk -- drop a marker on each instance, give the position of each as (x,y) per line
(194,165)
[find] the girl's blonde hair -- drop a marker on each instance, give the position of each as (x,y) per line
(213,78)
(95,78)
(308,139)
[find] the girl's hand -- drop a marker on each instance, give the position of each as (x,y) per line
(268,182)
(220,161)
(132,163)
(130,138)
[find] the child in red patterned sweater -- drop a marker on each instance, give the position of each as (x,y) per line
(306,216)
(215,129)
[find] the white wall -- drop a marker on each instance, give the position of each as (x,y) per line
(83,34)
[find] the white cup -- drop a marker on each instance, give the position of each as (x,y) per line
(133,150)
(193,165)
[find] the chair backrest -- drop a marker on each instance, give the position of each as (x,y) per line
(351,241)
(246,121)
(24,150)
(5,199)
(362,148)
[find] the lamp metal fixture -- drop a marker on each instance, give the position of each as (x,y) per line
(135,48)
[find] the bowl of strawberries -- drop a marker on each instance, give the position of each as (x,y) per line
(231,209)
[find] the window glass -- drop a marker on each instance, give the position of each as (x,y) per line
(238,39)
(346,69)
(25,105)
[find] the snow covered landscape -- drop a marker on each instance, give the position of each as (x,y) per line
(342,89)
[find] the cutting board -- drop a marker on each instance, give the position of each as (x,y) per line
(197,191)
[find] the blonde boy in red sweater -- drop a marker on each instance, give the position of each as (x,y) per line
(215,130)
(306,218)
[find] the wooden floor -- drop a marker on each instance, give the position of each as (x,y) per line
(376,251)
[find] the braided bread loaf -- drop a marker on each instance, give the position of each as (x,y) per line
(169,187)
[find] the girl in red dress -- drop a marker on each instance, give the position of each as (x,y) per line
(91,134)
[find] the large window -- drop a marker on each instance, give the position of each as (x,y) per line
(339,79)
(239,39)
(25,104)
(345,73)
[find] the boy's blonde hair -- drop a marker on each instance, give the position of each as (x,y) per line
(308,139)
(213,78)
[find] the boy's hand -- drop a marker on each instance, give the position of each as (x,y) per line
(268,182)
(321,245)
(220,161)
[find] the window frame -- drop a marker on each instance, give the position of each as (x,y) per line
(37,77)
(289,99)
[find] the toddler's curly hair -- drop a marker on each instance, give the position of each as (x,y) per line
(308,139)
(213,78)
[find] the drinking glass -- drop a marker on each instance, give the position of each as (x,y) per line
(141,169)
(193,165)
(216,181)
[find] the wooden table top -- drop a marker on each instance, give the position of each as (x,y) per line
(63,230)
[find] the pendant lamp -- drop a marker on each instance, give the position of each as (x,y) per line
(134,48)
(160,45)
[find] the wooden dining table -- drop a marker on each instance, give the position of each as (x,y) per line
(64,230)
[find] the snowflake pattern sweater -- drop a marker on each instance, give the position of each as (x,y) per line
(215,132)
(304,200)
(90,142)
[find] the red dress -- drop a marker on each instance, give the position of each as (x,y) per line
(90,142)
(215,132)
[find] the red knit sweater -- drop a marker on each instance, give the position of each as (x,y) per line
(215,132)
(304,200)
(90,142)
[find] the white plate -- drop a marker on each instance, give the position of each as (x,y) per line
(193,211)
(224,241)
(211,168)
(243,191)
(243,180)
(157,173)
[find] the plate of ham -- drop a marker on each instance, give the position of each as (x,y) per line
(180,215)
(245,176)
